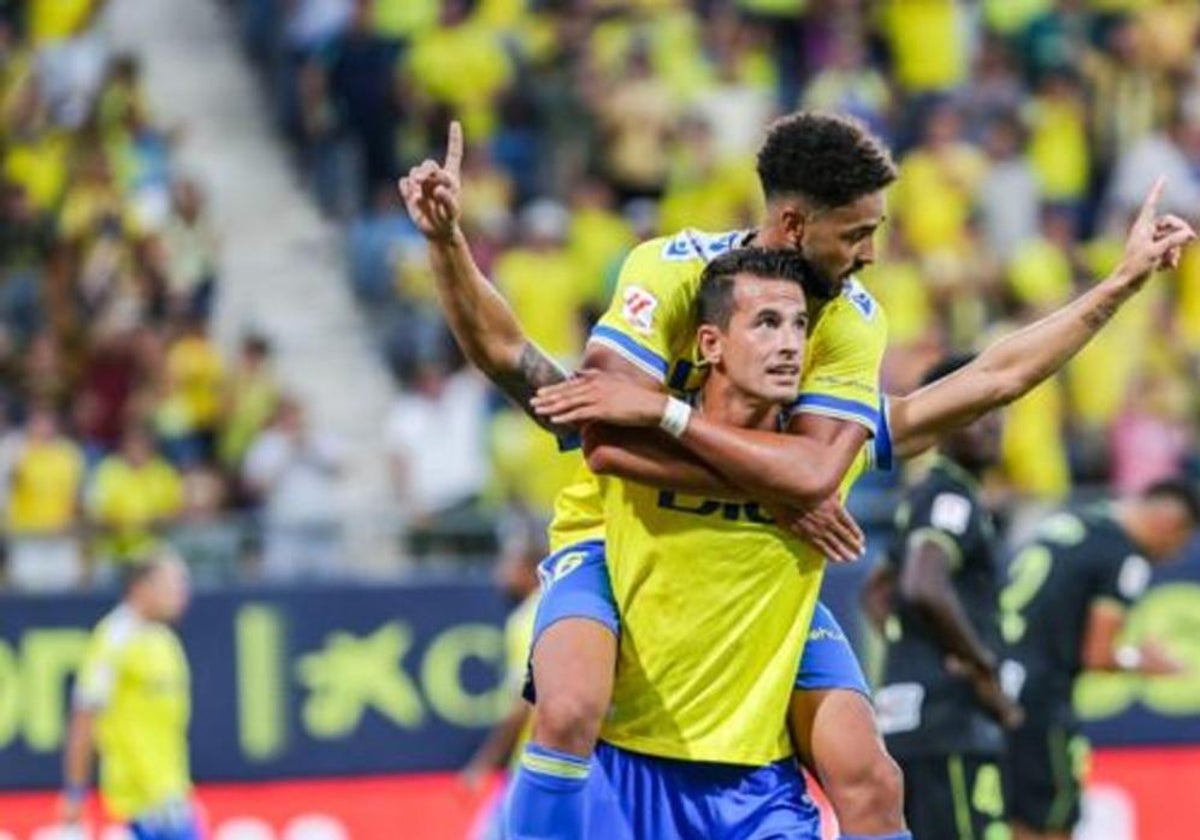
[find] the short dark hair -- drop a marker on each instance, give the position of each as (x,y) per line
(829,159)
(714,303)
(1177,490)
(946,366)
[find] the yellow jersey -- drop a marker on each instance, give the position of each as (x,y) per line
(135,678)
(44,488)
(651,322)
(715,604)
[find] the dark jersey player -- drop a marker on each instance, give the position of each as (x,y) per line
(940,704)
(1062,613)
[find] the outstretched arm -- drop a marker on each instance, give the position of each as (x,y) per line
(1015,364)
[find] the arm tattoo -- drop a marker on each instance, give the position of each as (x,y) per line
(1101,315)
(534,370)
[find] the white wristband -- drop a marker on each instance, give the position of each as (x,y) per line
(675,417)
(1129,658)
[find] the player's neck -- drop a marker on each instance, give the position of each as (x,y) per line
(725,403)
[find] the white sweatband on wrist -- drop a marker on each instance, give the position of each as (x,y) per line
(675,417)
(1129,658)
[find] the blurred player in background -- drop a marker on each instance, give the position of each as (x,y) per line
(523,546)
(1062,613)
(939,700)
(132,707)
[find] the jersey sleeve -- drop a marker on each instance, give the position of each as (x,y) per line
(942,516)
(841,379)
(1123,579)
(650,308)
(97,675)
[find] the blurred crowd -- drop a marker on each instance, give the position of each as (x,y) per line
(1027,132)
(121,423)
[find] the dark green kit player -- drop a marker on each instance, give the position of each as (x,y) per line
(1062,613)
(940,705)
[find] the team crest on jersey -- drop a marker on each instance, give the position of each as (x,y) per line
(638,306)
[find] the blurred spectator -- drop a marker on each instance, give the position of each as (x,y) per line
(1058,145)
(543,283)
(133,496)
(374,241)
(462,65)
(188,414)
(191,252)
(1152,436)
(436,440)
(44,483)
(938,184)
(927,44)
(704,193)
(1173,154)
(637,115)
(251,398)
(292,471)
(851,85)
(1008,194)
(1040,273)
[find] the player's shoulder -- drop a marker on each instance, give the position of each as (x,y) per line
(855,308)
(115,631)
(945,502)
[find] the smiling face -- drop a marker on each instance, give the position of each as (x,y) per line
(760,350)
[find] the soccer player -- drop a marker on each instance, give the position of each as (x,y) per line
(1063,612)
(855,771)
(713,619)
(942,722)
(132,705)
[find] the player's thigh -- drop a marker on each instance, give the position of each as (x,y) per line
(1043,773)
(575,638)
(955,796)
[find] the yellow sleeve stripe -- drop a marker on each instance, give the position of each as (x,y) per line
(554,767)
(840,408)
(638,354)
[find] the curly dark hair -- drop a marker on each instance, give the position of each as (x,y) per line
(829,159)
(714,301)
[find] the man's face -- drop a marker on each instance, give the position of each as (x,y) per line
(171,590)
(978,446)
(840,241)
(761,351)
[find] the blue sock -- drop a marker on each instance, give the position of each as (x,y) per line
(547,798)
(902,835)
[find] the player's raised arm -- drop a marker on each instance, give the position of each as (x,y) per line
(481,320)
(1014,365)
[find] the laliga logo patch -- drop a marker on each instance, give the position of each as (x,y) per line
(638,305)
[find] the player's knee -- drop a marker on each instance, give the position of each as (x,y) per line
(569,720)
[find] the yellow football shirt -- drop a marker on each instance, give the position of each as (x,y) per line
(651,321)
(45,488)
(715,605)
(135,678)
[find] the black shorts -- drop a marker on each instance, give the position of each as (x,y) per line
(954,797)
(1044,773)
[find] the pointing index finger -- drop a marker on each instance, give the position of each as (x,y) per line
(454,149)
(1150,205)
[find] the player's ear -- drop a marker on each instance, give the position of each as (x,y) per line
(708,340)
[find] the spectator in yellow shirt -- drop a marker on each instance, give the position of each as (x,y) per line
(133,495)
(544,283)
(1058,144)
(195,379)
(44,480)
(927,43)
(936,191)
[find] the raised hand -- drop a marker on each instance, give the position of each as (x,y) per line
(1154,242)
(433,193)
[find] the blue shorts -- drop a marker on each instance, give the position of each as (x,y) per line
(666,799)
(575,584)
